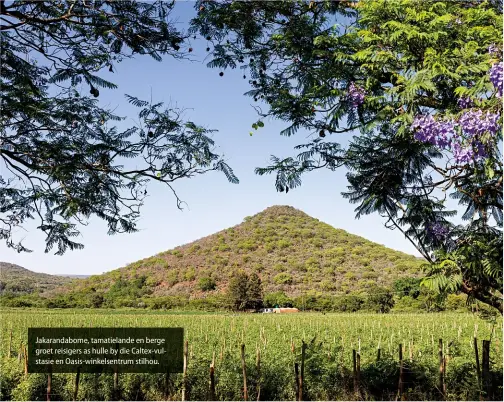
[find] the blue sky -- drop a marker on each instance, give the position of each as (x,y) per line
(213,203)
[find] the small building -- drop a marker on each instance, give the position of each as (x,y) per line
(283,310)
(279,310)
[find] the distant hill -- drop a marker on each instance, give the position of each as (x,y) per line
(291,252)
(19,280)
(75,276)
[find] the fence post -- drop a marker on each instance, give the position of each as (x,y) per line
(25,358)
(184,375)
(76,384)
(244,368)
(441,370)
(296,371)
(301,377)
(401,373)
(355,383)
(10,344)
(116,384)
(49,381)
(486,369)
(212,383)
(258,365)
(358,375)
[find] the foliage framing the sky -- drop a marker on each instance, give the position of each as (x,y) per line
(409,58)
(63,158)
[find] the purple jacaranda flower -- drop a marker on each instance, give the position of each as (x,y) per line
(496,77)
(465,103)
(356,94)
(437,230)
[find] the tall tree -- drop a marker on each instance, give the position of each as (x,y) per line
(420,81)
(380,299)
(62,158)
(238,288)
(254,292)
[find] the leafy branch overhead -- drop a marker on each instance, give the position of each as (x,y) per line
(421,84)
(64,157)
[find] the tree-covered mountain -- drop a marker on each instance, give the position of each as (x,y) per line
(289,250)
(18,280)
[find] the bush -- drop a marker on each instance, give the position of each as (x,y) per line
(277,299)
(206,284)
(380,300)
(350,303)
(283,278)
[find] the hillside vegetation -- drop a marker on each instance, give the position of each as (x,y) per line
(290,251)
(18,280)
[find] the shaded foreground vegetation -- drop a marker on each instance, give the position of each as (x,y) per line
(272,347)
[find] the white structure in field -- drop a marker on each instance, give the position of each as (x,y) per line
(280,310)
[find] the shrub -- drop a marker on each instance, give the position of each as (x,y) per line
(190,274)
(206,284)
(277,299)
(283,278)
(281,244)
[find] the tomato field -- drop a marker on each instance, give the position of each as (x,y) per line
(273,346)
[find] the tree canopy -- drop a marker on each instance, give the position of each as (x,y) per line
(421,83)
(63,157)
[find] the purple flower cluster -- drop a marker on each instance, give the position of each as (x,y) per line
(465,103)
(466,145)
(475,123)
(496,77)
(427,129)
(356,95)
(437,230)
(493,50)
(466,154)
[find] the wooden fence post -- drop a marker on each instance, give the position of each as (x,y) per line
(116,384)
(25,358)
(355,383)
(10,344)
(486,369)
(401,373)
(478,369)
(184,375)
(358,375)
(296,371)
(76,384)
(212,383)
(49,381)
(244,369)
(167,386)
(441,370)
(258,366)
(301,377)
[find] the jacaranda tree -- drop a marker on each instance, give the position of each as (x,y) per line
(421,84)
(62,157)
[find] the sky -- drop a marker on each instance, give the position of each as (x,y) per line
(213,204)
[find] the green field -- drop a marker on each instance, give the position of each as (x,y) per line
(328,365)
